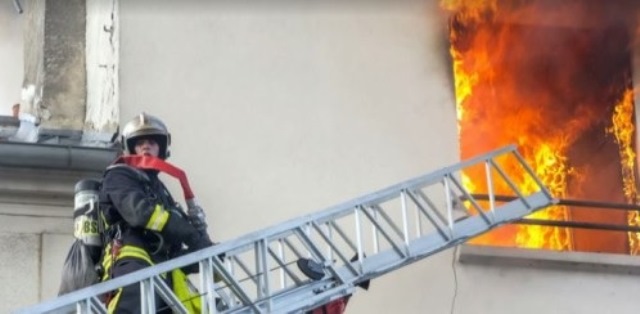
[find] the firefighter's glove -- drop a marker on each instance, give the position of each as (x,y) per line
(199,241)
(197,218)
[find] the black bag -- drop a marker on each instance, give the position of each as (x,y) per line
(79,269)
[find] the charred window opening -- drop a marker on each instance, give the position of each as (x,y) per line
(555,78)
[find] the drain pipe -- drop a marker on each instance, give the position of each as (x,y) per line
(51,156)
(18,6)
(18,153)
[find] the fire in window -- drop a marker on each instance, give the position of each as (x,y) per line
(555,78)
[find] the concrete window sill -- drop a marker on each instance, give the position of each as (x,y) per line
(575,261)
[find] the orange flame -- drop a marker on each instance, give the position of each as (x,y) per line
(551,167)
(624,131)
(476,76)
(503,98)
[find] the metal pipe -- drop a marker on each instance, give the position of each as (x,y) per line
(566,202)
(571,224)
(49,156)
(576,224)
(18,6)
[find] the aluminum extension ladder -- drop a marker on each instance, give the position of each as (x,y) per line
(352,242)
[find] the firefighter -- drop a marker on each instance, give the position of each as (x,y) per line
(144,226)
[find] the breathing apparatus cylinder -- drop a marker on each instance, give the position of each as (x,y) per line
(85,213)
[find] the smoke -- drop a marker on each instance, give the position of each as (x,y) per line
(582,14)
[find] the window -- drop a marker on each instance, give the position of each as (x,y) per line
(555,78)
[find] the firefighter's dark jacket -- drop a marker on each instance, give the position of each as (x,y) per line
(140,208)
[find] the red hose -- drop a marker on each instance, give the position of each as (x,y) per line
(153,163)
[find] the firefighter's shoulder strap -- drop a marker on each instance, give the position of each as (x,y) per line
(105,202)
(140,174)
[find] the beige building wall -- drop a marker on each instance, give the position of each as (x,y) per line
(36,206)
(285,108)
(11,56)
(32,248)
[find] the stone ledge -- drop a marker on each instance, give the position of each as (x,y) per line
(27,186)
(574,261)
(55,157)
